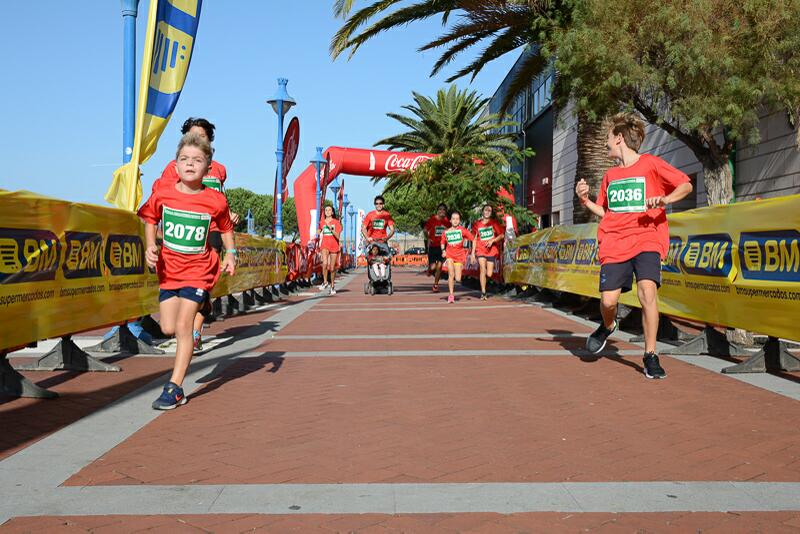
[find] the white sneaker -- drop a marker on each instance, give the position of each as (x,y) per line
(323,287)
(333,291)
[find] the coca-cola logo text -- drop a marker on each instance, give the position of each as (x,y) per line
(395,163)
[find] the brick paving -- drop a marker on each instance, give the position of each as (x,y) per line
(275,418)
(639,523)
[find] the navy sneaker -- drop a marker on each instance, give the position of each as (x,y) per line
(652,367)
(170,398)
(597,341)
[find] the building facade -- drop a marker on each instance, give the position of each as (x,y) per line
(770,168)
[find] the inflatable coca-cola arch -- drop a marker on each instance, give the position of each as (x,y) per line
(356,161)
(340,160)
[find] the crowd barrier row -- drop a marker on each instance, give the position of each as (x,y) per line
(67,268)
(734,266)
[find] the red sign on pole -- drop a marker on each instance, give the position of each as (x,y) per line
(290,143)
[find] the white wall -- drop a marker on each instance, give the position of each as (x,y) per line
(565,159)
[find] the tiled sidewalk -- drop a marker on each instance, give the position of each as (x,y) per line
(354,404)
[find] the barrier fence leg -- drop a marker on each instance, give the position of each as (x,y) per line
(711,342)
(248,299)
(124,341)
(230,306)
(263,297)
(667,332)
(774,356)
(152,327)
(68,356)
(14,384)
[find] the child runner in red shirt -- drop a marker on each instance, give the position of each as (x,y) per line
(453,250)
(215,179)
(633,236)
(488,233)
(434,228)
(330,231)
(187,267)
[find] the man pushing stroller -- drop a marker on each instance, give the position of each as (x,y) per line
(377,229)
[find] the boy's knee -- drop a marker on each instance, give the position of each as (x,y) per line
(168,329)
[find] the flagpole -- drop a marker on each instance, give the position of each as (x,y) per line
(130,10)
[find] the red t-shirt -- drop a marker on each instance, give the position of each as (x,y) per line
(329,232)
(215,179)
(377,223)
(628,228)
(485,232)
(186,260)
(435,227)
(453,239)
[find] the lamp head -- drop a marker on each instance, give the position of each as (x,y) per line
(281,102)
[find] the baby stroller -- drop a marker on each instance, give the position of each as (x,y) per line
(379,282)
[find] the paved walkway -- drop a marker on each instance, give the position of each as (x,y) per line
(406,414)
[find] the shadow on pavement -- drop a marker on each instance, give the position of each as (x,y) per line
(225,372)
(568,339)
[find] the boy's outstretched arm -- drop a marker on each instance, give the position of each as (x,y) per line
(582,190)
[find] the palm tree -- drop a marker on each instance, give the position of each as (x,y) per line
(507,25)
(454,121)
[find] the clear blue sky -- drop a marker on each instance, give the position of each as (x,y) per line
(62,95)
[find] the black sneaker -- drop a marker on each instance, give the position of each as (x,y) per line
(652,368)
(597,341)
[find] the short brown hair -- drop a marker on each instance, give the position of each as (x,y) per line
(630,126)
(192,139)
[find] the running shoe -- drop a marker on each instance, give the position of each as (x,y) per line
(652,367)
(483,296)
(323,287)
(170,398)
(333,292)
(451,299)
(597,341)
(198,341)
(435,288)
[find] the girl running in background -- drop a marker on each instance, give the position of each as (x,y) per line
(488,233)
(330,231)
(454,252)
(187,267)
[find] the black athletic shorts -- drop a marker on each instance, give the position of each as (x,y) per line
(215,241)
(645,266)
(435,255)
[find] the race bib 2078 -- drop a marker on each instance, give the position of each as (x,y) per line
(185,231)
(627,195)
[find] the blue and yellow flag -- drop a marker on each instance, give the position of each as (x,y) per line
(171,32)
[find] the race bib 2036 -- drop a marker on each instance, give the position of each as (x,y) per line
(627,195)
(486,233)
(185,231)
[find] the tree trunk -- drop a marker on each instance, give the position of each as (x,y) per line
(718,180)
(593,161)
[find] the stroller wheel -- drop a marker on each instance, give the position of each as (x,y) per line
(371,290)
(390,289)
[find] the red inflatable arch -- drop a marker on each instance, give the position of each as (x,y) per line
(355,161)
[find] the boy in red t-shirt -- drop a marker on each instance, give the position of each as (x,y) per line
(187,267)
(453,251)
(488,233)
(434,228)
(633,236)
(215,179)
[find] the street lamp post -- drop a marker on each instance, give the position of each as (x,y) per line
(351,212)
(318,162)
(281,103)
(130,9)
(343,215)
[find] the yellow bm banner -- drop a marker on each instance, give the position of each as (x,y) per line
(735,266)
(67,267)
